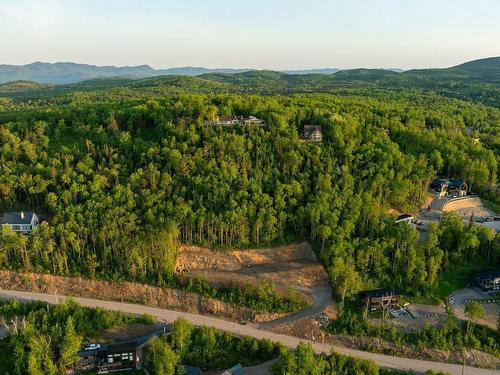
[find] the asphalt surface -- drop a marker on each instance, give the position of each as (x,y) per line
(249,330)
(460,297)
(322,296)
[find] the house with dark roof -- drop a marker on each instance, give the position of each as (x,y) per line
(449,186)
(20,222)
(379,299)
(488,281)
(118,356)
(457,186)
(235,370)
(312,133)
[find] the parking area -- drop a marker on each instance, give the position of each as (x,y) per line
(459,298)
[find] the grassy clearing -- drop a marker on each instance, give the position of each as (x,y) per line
(449,282)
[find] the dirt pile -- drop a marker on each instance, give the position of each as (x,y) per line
(124,292)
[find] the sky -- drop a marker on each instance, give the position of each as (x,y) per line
(261,34)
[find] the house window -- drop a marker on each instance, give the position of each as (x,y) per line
(26,227)
(16,227)
(110,358)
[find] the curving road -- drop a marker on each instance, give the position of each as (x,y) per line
(322,296)
(249,330)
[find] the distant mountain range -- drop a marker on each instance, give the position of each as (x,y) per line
(478,80)
(68,72)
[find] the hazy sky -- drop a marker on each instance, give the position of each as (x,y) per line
(273,34)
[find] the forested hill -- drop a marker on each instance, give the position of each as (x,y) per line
(477,80)
(68,72)
(120,181)
(484,70)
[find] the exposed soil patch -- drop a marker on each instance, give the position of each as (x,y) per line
(293,265)
(124,292)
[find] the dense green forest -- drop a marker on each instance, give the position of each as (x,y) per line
(122,175)
(45,339)
(451,335)
(303,361)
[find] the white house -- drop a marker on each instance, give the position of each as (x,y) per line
(21,222)
(313,133)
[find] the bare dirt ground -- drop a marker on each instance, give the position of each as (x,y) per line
(123,292)
(311,329)
(293,265)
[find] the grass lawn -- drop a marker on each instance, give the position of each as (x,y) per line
(451,281)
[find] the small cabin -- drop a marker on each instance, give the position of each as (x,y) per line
(379,299)
(20,222)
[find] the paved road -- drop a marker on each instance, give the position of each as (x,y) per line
(249,330)
(322,296)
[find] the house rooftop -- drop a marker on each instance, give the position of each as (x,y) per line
(16,217)
(235,370)
(129,345)
(191,370)
(486,275)
(404,216)
(456,182)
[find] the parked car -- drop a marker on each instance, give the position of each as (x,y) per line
(92,347)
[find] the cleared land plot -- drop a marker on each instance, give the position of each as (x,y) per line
(293,265)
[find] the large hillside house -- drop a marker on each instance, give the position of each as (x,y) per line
(236,120)
(488,281)
(449,186)
(21,222)
(312,133)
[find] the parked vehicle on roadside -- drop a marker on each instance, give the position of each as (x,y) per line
(92,347)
